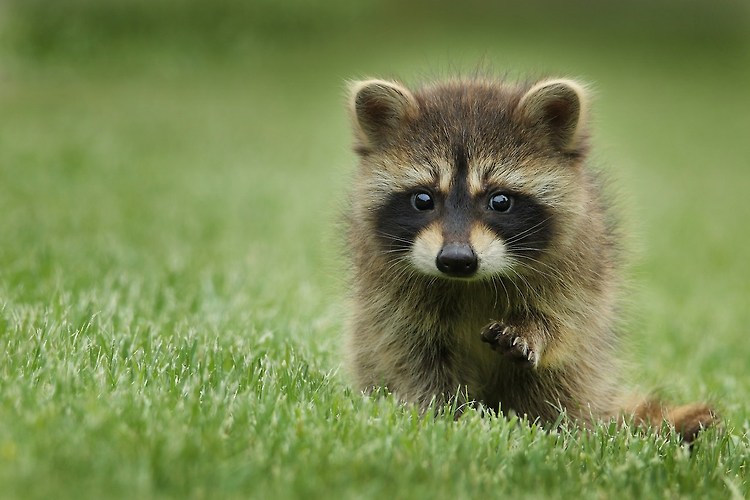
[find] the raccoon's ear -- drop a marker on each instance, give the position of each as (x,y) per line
(378,109)
(560,107)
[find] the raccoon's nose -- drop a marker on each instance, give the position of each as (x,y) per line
(457,259)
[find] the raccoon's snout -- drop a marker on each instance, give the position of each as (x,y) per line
(457,259)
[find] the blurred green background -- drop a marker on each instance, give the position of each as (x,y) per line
(173,171)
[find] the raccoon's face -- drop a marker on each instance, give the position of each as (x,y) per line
(467,180)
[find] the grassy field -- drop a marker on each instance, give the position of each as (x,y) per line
(172,286)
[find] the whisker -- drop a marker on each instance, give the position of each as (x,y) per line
(521,296)
(553,277)
(494,287)
(528,287)
(505,289)
(394,237)
(524,233)
(553,269)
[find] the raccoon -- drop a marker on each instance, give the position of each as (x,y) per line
(486,267)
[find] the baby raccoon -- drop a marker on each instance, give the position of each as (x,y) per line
(485,264)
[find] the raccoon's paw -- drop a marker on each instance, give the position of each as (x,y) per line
(508,341)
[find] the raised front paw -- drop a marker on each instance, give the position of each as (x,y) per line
(510,342)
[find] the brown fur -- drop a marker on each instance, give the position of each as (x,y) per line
(431,338)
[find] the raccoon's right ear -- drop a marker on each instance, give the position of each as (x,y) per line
(378,109)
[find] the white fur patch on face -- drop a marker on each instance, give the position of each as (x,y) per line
(491,252)
(425,249)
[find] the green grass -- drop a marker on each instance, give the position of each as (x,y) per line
(172,291)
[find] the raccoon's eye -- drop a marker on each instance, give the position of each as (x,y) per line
(500,202)
(422,200)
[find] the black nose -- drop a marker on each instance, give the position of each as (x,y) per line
(457,259)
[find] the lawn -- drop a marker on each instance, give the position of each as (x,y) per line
(173,280)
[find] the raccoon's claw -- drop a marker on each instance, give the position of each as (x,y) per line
(507,341)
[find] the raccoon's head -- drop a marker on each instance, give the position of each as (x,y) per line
(467,179)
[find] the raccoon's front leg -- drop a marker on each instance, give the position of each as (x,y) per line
(422,368)
(523,343)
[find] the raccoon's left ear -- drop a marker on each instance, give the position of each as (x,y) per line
(560,107)
(378,109)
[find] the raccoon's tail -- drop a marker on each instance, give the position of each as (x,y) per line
(688,420)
